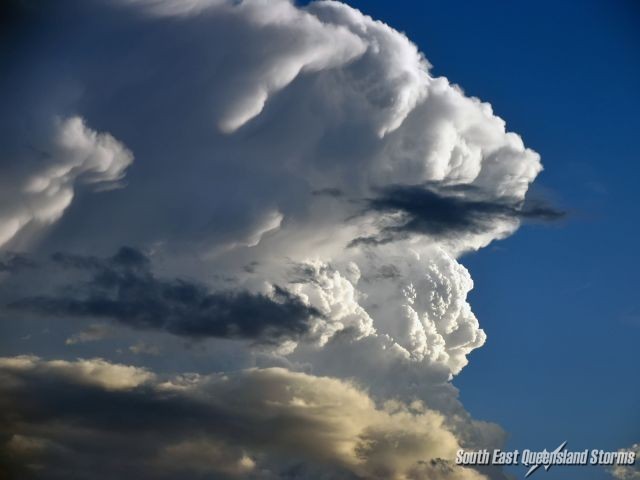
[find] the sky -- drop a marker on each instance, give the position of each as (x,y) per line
(316,240)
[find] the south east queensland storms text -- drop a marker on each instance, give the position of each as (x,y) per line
(527,457)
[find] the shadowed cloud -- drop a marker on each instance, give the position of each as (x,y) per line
(445,212)
(73,418)
(123,288)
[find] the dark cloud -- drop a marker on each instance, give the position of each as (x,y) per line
(13,262)
(124,288)
(328,192)
(70,427)
(445,212)
(91,419)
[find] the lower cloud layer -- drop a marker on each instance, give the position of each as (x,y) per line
(95,419)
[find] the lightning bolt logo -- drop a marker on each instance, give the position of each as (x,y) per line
(548,466)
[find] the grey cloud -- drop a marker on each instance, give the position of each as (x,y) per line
(329,192)
(441,214)
(12,262)
(92,333)
(62,417)
(124,288)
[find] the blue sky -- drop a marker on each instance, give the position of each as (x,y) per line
(559,303)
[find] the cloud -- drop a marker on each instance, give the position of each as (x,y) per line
(359,96)
(92,333)
(70,153)
(413,299)
(144,349)
(12,262)
(257,128)
(123,288)
(321,47)
(628,472)
(86,373)
(418,209)
(214,423)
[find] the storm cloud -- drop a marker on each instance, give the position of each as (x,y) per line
(452,211)
(123,288)
(96,419)
(232,143)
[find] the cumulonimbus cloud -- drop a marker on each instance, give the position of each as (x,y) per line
(270,139)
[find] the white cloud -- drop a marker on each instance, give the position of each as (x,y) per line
(335,297)
(628,472)
(317,47)
(96,372)
(73,153)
